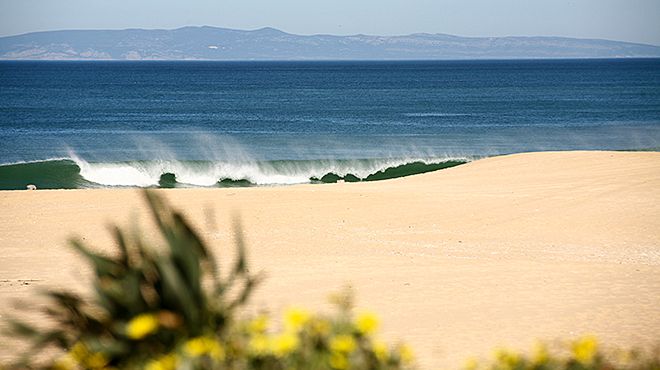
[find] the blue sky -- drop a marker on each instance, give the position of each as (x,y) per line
(625,20)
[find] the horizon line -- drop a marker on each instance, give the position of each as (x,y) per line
(325,34)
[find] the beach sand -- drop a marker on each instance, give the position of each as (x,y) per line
(497,252)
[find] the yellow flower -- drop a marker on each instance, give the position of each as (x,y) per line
(202,346)
(66,362)
(406,354)
(259,345)
(216,351)
(471,364)
(540,354)
(142,325)
(258,325)
(380,350)
(195,347)
(96,361)
(585,349)
(343,343)
(295,319)
(78,352)
(506,359)
(284,344)
(338,361)
(167,362)
(367,323)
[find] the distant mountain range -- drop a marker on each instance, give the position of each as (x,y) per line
(211,43)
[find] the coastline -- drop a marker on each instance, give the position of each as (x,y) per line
(499,251)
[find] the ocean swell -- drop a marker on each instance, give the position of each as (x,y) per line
(75,172)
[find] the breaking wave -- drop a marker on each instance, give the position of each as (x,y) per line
(74,172)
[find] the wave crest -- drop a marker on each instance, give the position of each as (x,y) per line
(76,172)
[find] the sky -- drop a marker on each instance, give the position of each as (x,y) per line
(622,20)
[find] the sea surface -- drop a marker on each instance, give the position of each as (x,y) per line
(180,124)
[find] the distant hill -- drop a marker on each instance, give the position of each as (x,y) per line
(211,43)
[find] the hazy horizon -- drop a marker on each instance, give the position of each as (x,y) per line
(316,34)
(617,20)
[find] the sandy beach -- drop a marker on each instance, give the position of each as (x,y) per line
(496,252)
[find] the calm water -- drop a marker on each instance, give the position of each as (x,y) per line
(130,123)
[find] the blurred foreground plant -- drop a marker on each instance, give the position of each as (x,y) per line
(581,354)
(170,308)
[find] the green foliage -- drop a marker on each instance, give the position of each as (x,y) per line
(170,307)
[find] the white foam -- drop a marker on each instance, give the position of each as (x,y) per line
(436,114)
(116,174)
(230,161)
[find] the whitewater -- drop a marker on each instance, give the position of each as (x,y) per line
(76,172)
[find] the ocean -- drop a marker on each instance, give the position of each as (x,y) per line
(187,124)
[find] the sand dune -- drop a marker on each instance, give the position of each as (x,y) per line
(496,252)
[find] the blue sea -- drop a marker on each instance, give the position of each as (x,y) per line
(184,124)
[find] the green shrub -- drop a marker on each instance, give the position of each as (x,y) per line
(172,308)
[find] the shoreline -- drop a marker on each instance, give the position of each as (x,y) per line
(456,261)
(76,173)
(389,169)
